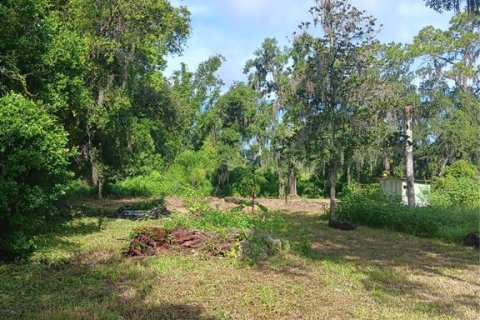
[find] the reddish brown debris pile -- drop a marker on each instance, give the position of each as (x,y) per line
(188,239)
(154,240)
(148,242)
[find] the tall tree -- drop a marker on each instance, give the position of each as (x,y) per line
(329,70)
(198,91)
(401,97)
(126,42)
(268,75)
(450,111)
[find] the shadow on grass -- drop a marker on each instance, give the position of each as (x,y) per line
(387,260)
(82,288)
(313,239)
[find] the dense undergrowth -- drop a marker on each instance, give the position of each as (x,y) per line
(370,207)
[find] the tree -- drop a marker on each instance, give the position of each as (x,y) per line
(400,94)
(198,91)
(328,70)
(451,86)
(268,75)
(237,116)
(25,32)
(126,43)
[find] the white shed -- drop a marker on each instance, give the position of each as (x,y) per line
(398,187)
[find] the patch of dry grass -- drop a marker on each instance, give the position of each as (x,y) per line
(80,273)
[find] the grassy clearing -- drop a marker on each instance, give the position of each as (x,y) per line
(78,272)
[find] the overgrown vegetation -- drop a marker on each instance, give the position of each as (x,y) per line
(458,188)
(33,169)
(87,108)
(369,206)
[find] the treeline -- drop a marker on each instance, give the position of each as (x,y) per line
(85,105)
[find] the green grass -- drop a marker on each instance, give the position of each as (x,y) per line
(370,208)
(79,272)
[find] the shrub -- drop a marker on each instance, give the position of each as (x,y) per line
(241,183)
(33,169)
(310,186)
(459,187)
(78,188)
(190,173)
(368,206)
(269,184)
(152,184)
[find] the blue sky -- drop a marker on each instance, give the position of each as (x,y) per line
(236,28)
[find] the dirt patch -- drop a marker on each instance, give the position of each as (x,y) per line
(177,204)
(174,203)
(106,205)
(311,206)
(156,240)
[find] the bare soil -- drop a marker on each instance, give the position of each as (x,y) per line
(298,205)
(175,203)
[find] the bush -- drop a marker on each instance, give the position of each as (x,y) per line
(368,206)
(459,187)
(310,186)
(33,169)
(78,188)
(241,183)
(269,184)
(190,173)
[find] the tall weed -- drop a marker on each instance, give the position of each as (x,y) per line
(368,206)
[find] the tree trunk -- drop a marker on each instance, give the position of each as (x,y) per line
(292,184)
(281,187)
(254,195)
(409,155)
(386,164)
(281,182)
(97,176)
(443,167)
(100,189)
(333,184)
(332,171)
(349,173)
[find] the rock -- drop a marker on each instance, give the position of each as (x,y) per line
(341,225)
(472,240)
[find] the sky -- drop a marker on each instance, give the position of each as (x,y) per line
(236,28)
